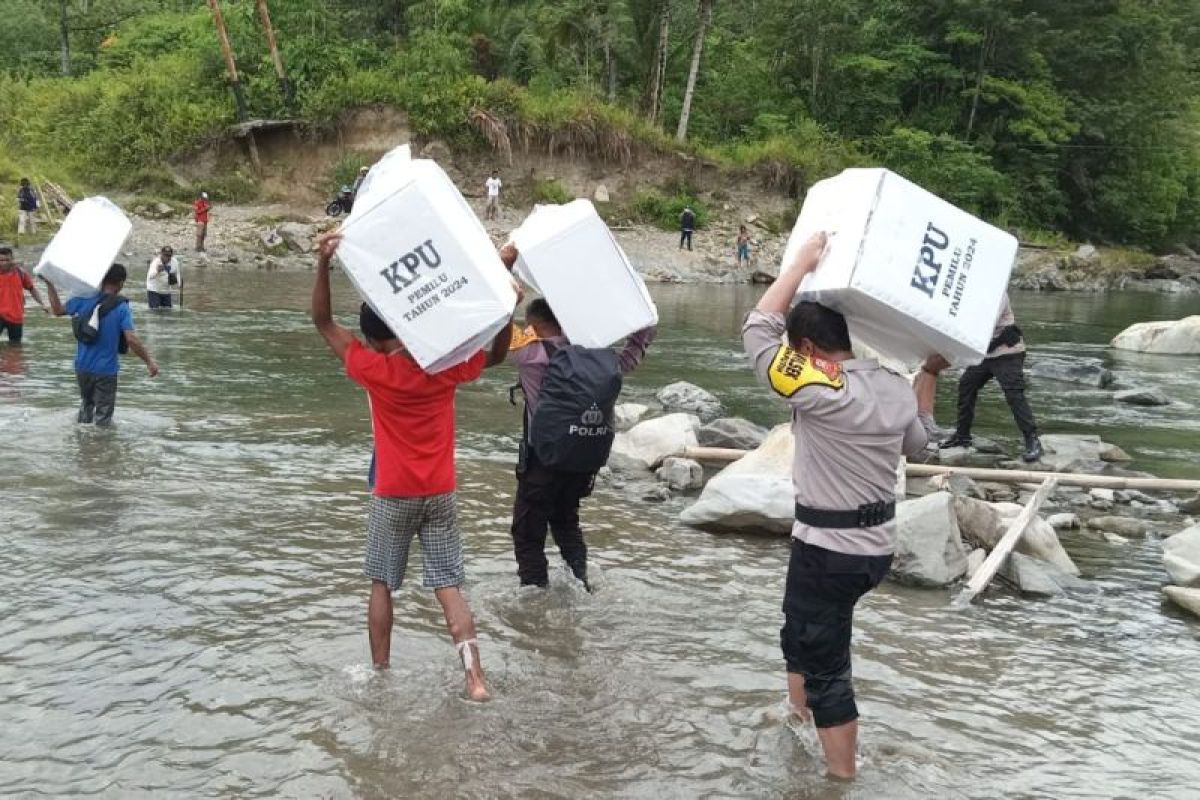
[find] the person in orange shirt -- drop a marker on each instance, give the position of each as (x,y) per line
(14,282)
(201,208)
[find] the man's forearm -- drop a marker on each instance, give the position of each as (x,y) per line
(322,309)
(56,305)
(500,346)
(139,349)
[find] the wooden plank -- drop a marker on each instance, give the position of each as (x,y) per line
(1001,551)
(719,455)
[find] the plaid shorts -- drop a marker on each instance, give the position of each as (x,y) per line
(392,523)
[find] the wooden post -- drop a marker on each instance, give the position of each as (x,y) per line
(285,85)
(239,95)
(1001,551)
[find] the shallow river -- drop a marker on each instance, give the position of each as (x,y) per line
(183,609)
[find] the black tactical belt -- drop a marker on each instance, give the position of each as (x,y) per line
(868,515)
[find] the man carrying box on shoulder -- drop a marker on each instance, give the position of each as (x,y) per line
(103,326)
(412,415)
(852,421)
(569,396)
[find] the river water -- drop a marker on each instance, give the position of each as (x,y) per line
(183,609)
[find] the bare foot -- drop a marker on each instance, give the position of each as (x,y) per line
(476,690)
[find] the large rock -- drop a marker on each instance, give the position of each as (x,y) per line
(1122,526)
(753,494)
(1067,452)
(929,549)
(1142,397)
(732,432)
(626,415)
(1181,557)
(297,237)
(690,398)
(1170,337)
(1185,598)
(272,242)
(1086,372)
(681,474)
(646,444)
(601,194)
(1034,577)
(984,524)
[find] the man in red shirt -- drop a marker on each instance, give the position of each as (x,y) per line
(201,208)
(412,414)
(14,282)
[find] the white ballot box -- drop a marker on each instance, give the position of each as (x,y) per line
(570,257)
(87,244)
(913,274)
(419,256)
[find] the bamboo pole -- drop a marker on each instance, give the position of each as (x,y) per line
(720,455)
(1001,551)
(285,85)
(239,96)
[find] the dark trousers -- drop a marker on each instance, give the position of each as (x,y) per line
(547,498)
(1009,372)
(15,330)
(685,237)
(98,397)
(158,299)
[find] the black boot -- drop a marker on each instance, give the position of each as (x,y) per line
(957,440)
(1033,449)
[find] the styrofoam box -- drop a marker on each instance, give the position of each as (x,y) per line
(570,257)
(419,256)
(85,247)
(914,275)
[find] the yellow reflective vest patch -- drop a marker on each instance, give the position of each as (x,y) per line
(790,372)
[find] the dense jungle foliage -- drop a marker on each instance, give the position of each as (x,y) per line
(1080,116)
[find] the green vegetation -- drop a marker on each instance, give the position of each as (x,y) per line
(551,190)
(653,208)
(1077,117)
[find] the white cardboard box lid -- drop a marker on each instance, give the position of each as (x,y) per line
(87,244)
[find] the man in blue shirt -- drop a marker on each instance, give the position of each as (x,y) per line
(97,363)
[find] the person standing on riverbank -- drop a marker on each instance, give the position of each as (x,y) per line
(14,283)
(98,362)
(687,226)
(1006,363)
(743,247)
(412,415)
(493,185)
(852,420)
(162,275)
(548,497)
(27,206)
(200,212)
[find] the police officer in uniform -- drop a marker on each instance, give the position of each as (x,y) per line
(852,420)
(1006,363)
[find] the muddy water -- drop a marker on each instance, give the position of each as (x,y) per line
(183,609)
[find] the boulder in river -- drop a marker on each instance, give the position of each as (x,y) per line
(1086,372)
(1067,452)
(1142,397)
(1065,521)
(626,415)
(1169,337)
(752,494)
(1185,598)
(1122,526)
(732,432)
(1039,578)
(681,474)
(646,444)
(929,548)
(690,398)
(985,523)
(974,561)
(1181,557)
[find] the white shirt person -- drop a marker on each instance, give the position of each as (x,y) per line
(493,185)
(158,278)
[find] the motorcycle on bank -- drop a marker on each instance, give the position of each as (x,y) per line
(342,203)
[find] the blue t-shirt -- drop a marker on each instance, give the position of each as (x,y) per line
(100,357)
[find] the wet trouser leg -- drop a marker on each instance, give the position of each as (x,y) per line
(1010,374)
(531,517)
(105,396)
(973,379)
(568,490)
(87,398)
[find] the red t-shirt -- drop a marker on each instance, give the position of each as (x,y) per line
(13,285)
(412,413)
(202,206)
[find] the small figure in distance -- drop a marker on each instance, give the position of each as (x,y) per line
(493,185)
(97,363)
(200,211)
(14,283)
(27,206)
(414,492)
(743,247)
(687,226)
(160,277)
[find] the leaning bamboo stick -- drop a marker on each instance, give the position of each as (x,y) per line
(727,455)
(1001,551)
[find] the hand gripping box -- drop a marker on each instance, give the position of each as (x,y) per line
(570,257)
(418,255)
(913,274)
(87,244)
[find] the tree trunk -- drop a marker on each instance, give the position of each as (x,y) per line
(658,73)
(979,74)
(704,17)
(64,32)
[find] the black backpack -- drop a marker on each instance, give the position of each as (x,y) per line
(86,327)
(572,428)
